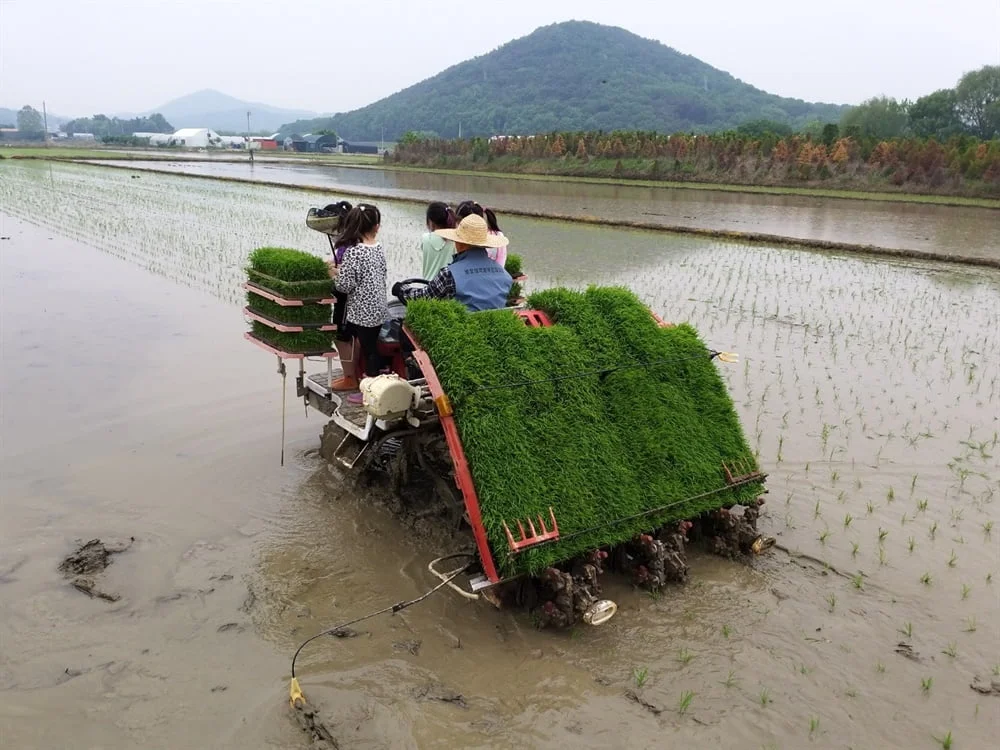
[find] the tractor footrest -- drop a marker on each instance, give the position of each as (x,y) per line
(350,450)
(534,535)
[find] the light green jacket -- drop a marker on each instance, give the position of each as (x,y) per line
(437,253)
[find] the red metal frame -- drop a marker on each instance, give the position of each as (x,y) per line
(284,302)
(463,477)
(536,536)
(283,354)
(660,321)
(281,326)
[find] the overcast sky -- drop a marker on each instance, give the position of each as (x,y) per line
(88,56)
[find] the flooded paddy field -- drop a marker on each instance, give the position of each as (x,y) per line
(133,408)
(944,230)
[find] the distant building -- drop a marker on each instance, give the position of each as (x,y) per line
(265,144)
(362,147)
(196,138)
(83,136)
(320,143)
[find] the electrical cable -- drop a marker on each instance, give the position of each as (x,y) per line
(393,608)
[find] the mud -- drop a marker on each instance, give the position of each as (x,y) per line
(90,559)
(866,386)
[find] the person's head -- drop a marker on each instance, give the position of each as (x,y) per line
(467,208)
(339,209)
(472,232)
(440,216)
(360,225)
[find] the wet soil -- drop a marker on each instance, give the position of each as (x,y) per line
(866,386)
(90,559)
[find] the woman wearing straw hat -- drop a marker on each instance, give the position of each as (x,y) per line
(472,278)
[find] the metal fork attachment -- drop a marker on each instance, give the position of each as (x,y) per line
(740,472)
(533,536)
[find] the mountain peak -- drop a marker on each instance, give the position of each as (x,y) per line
(572,75)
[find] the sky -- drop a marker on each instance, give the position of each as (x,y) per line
(88,56)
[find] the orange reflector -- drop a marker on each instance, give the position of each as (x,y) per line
(443,405)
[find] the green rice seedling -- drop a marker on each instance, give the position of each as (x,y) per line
(834,476)
(851,692)
(996,670)
(907,629)
(640,676)
(514,265)
(307,342)
(921,506)
(988,528)
(911,543)
(726,631)
(970,624)
(764,697)
(731,679)
(952,560)
(882,534)
(870,508)
(945,741)
(832,601)
(684,656)
(685,702)
(880,667)
(841,497)
(890,495)
(803,669)
(933,529)
(882,558)
(913,484)
(847,520)
(854,549)
(904,519)
(951,650)
(598,467)
(989,578)
(858,579)
(926,683)
(813,725)
(966,589)
(816,510)
(823,535)
(926,579)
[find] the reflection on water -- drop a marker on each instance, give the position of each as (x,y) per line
(868,387)
(913,226)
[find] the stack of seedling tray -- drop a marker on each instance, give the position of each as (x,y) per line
(616,423)
(513,267)
(289,302)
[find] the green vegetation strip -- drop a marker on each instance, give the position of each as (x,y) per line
(307,342)
(597,448)
(746,237)
(306,314)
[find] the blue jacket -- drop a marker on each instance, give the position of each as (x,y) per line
(480,283)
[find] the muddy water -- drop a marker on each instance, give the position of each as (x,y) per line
(909,226)
(132,407)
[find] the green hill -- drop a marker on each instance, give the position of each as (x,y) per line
(571,76)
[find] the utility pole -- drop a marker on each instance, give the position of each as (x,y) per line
(45,123)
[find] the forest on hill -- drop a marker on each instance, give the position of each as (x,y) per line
(571,76)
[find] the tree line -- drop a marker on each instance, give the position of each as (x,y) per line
(102,126)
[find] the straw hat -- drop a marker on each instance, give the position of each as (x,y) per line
(473,231)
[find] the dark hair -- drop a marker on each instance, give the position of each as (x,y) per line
(491,220)
(469,207)
(360,220)
(440,215)
(466,208)
(340,208)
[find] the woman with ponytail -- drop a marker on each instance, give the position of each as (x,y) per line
(435,250)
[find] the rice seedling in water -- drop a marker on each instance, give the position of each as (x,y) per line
(765,697)
(970,624)
(882,556)
(987,528)
(816,511)
(880,667)
(907,629)
(731,679)
(890,495)
(847,520)
(726,631)
(882,534)
(952,560)
(832,601)
(823,535)
(945,741)
(933,529)
(922,505)
(989,578)
(858,580)
(813,725)
(854,549)
(685,702)
(911,543)
(951,650)
(926,683)
(926,579)
(684,656)
(851,692)
(871,507)
(965,590)
(640,676)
